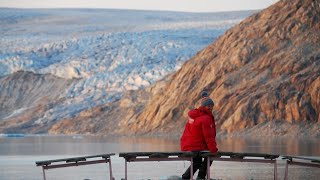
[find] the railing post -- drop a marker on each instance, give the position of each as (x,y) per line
(286,171)
(44,173)
(110,169)
(208,168)
(126,170)
(191,169)
(275,170)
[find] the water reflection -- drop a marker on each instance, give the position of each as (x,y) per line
(282,146)
(18,156)
(147,144)
(79,145)
(76,145)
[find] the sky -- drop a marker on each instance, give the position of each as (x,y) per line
(167,5)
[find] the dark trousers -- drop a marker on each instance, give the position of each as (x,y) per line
(198,164)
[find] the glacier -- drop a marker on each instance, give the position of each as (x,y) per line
(106,51)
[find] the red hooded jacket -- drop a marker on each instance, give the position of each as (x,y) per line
(200,132)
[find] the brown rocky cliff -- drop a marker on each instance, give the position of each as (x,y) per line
(25,97)
(267,68)
(110,117)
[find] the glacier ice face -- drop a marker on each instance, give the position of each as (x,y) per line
(109,51)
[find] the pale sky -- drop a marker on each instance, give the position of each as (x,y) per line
(171,5)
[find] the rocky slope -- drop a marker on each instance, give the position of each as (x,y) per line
(25,99)
(109,118)
(263,71)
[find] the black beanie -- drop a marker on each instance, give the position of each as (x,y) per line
(205,100)
(204,94)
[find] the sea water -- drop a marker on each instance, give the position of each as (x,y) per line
(18,155)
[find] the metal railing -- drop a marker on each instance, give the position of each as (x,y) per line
(76,161)
(180,156)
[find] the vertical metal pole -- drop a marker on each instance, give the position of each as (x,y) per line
(191,169)
(208,168)
(275,170)
(44,173)
(286,171)
(110,169)
(125,169)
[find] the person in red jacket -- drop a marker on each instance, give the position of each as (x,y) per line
(199,135)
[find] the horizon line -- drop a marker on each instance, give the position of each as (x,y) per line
(104,8)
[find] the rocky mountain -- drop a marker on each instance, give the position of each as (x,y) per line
(263,75)
(26,98)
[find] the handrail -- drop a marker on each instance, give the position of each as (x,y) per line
(239,155)
(75,161)
(180,156)
(299,161)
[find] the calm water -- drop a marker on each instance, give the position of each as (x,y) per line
(18,156)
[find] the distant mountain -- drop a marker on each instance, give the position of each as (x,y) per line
(263,74)
(100,53)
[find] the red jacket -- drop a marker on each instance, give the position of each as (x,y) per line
(200,132)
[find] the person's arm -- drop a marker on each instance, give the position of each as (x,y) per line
(194,113)
(209,133)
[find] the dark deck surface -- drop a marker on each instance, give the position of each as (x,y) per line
(240,155)
(130,155)
(73,159)
(292,158)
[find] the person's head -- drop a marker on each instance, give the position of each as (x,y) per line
(206,102)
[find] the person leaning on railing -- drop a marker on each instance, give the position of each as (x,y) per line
(199,135)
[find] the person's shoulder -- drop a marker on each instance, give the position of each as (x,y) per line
(194,113)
